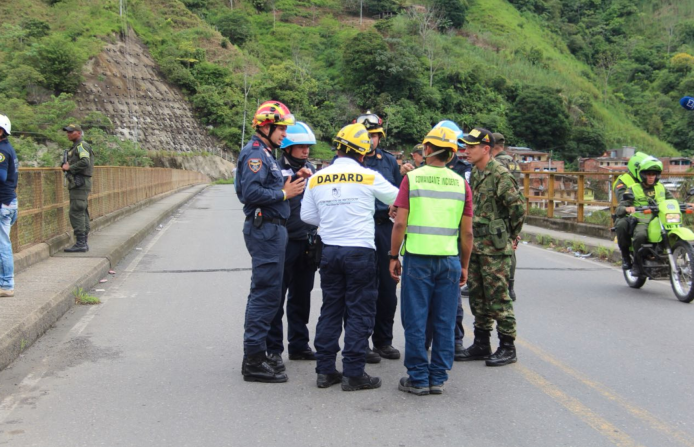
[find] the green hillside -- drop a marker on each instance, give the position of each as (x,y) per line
(572,76)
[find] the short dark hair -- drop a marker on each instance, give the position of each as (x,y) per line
(351,154)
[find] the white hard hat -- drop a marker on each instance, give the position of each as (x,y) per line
(5,124)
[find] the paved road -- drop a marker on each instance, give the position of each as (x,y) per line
(158,363)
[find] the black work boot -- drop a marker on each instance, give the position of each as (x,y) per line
(372,356)
(328,380)
(80,245)
(387,352)
(364,382)
(86,240)
(506,354)
(275,360)
(511,292)
(465,290)
(626,258)
(480,349)
(256,369)
(308,354)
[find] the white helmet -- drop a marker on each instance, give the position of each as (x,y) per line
(5,124)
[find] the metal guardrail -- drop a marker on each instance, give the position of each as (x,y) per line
(44,202)
(570,188)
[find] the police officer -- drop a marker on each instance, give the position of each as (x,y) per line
(299,270)
(387,165)
(434,207)
(509,163)
(9,174)
(262,189)
(498,219)
(621,222)
(340,201)
(648,189)
(79,168)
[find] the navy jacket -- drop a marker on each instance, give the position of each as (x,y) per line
(387,165)
(462,168)
(296,228)
(9,172)
(259,181)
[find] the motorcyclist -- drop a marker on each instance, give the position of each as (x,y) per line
(648,191)
(621,223)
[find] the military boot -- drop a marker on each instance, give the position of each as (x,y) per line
(480,349)
(626,258)
(506,354)
(86,240)
(80,245)
(511,292)
(275,360)
(256,369)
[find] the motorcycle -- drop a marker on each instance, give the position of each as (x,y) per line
(668,252)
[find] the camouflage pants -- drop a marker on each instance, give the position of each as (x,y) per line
(489,299)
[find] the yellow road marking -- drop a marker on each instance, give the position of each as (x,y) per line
(640,413)
(575,406)
(654,422)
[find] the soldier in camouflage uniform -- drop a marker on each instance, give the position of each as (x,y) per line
(79,169)
(499,211)
(510,164)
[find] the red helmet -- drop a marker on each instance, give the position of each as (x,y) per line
(273,112)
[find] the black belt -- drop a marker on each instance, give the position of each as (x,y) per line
(272,220)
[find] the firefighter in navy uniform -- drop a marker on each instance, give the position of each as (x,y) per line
(264,193)
(299,269)
(387,165)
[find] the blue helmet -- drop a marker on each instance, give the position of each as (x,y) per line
(298,133)
(454,127)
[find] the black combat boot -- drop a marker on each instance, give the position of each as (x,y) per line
(275,360)
(387,352)
(506,354)
(511,292)
(372,356)
(480,349)
(364,382)
(328,380)
(86,240)
(80,245)
(256,369)
(465,290)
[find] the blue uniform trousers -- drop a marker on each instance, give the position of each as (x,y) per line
(430,291)
(266,246)
(387,301)
(298,281)
(348,281)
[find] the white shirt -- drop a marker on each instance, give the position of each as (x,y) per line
(340,201)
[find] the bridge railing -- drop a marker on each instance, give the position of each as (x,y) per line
(579,194)
(44,202)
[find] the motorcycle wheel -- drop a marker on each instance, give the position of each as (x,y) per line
(681,282)
(635,282)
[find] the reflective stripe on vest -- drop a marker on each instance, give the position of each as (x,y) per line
(641,199)
(437,199)
(627,179)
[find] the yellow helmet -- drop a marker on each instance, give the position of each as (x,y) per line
(442,137)
(353,137)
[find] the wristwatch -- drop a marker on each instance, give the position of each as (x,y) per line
(394,257)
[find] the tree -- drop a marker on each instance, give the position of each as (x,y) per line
(538,117)
(452,10)
(236,26)
(60,61)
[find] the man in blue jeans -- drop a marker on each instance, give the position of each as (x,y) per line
(432,210)
(9,173)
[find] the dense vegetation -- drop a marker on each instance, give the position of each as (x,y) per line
(571,76)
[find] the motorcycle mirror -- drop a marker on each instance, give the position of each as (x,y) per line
(691,192)
(630,196)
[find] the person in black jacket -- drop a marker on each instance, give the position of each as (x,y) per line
(299,268)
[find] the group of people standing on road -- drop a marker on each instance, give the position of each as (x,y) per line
(452,221)
(78,165)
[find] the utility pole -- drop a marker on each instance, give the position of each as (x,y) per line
(361,7)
